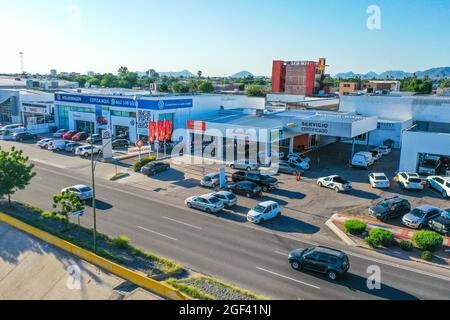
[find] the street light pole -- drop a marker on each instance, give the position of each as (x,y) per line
(93,192)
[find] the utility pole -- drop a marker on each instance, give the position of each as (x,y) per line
(93,190)
(21,62)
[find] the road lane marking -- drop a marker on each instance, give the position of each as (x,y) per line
(48,163)
(157,233)
(184,223)
(286,277)
(281,253)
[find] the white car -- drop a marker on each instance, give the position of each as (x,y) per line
(410,180)
(228,198)
(264,211)
(379,180)
(207,202)
(211,180)
(440,184)
(86,151)
(335,182)
(363,159)
(44,143)
(57,145)
(384,150)
(83,192)
(244,165)
(299,162)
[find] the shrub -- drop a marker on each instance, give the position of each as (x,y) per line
(138,165)
(428,240)
(426,255)
(354,227)
(406,245)
(378,237)
(47,214)
(118,176)
(121,242)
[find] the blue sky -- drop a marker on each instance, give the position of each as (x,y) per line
(222,37)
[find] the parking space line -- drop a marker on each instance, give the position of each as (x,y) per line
(184,223)
(157,233)
(289,278)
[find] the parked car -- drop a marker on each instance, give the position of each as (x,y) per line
(57,145)
(206,203)
(245,188)
(299,162)
(120,143)
(60,133)
(363,159)
(153,168)
(11,127)
(440,184)
(430,165)
(335,182)
(211,180)
(289,168)
(86,151)
(376,154)
(22,136)
(410,180)
(300,156)
(228,198)
(419,217)
(390,208)
(441,224)
(94,138)
(44,143)
(334,263)
(384,150)
(71,146)
(69,134)
(264,181)
(244,165)
(83,192)
(264,211)
(80,136)
(379,180)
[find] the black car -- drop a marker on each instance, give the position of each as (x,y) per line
(154,168)
(334,263)
(265,182)
(22,136)
(245,188)
(120,143)
(390,208)
(289,168)
(441,224)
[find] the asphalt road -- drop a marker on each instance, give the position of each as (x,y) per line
(253,257)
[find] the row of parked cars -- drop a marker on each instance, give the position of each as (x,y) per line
(365,159)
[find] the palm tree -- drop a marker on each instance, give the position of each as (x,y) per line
(199,74)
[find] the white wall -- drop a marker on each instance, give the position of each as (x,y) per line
(422,142)
(240,101)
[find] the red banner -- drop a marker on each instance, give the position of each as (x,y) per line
(161,130)
(152,131)
(169,129)
(196,125)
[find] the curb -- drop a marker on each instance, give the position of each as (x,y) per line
(342,235)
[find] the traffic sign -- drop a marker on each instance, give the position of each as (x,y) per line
(77,213)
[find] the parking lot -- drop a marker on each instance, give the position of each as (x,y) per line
(305,206)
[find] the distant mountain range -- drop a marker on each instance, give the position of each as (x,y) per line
(242,74)
(434,73)
(177,74)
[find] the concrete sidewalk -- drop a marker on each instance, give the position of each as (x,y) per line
(32,269)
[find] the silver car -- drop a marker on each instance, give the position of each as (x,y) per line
(419,217)
(228,198)
(211,180)
(207,203)
(83,192)
(244,165)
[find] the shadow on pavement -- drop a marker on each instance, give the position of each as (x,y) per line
(99,204)
(291,225)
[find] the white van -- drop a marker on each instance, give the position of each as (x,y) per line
(363,159)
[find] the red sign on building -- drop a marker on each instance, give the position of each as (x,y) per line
(196,125)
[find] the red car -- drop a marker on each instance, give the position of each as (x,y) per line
(69,134)
(80,136)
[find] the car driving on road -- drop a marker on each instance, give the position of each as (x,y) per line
(440,184)
(153,168)
(244,165)
(335,182)
(334,263)
(228,198)
(379,180)
(390,208)
(207,203)
(245,188)
(264,211)
(441,224)
(418,218)
(83,192)
(409,180)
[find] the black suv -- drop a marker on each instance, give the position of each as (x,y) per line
(265,182)
(153,168)
(390,208)
(245,188)
(334,263)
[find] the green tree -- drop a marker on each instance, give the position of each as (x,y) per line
(108,80)
(206,87)
(15,172)
(122,71)
(256,91)
(66,203)
(180,88)
(163,87)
